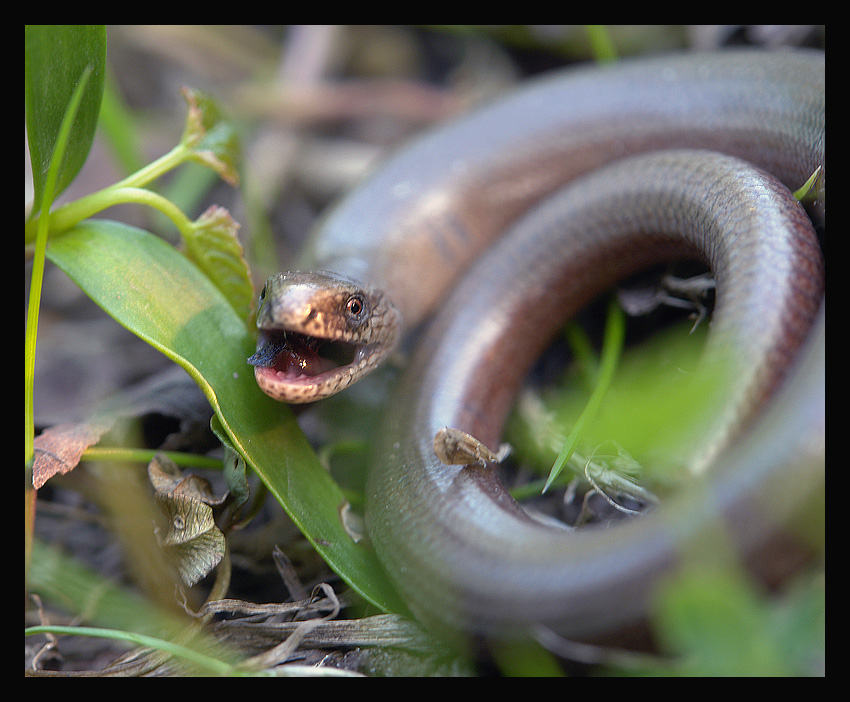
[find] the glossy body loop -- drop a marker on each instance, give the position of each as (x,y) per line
(461,552)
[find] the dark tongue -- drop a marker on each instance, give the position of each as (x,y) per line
(291,355)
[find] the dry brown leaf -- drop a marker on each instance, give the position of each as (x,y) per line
(58,449)
(193,540)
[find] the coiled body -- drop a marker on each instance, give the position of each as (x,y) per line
(458,548)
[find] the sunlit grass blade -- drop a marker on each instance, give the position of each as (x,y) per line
(615,330)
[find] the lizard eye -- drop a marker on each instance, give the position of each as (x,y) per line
(355,307)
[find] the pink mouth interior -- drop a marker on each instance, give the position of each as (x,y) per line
(294,355)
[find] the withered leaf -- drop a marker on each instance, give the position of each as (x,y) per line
(59,448)
(192,538)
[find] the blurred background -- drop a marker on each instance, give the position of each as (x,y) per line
(317,107)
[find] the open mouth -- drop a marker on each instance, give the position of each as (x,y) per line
(294,357)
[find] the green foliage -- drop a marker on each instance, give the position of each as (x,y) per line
(131,618)
(212,138)
(716,622)
(191,306)
(167,301)
(55,56)
(654,405)
(615,327)
(213,246)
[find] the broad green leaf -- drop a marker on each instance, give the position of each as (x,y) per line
(158,294)
(54,59)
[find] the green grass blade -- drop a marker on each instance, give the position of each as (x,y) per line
(615,329)
(34,304)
